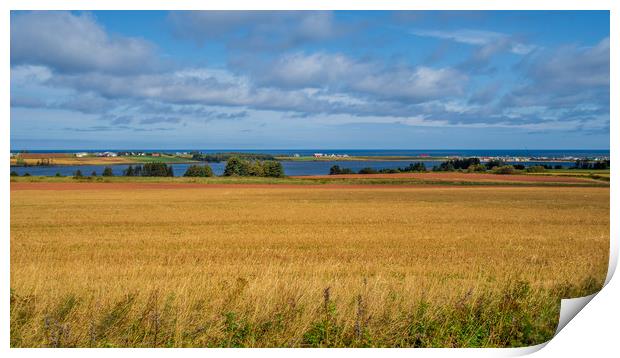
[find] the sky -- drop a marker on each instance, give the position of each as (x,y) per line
(310,80)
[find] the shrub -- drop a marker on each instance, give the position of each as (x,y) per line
(414,167)
(535,169)
(334,170)
(198,171)
(444,167)
(93,174)
(26,174)
(519,166)
(456,164)
(389,171)
(464,163)
(494,163)
(58,174)
(14,173)
(77,174)
(504,169)
(476,168)
(107,172)
(592,164)
(367,170)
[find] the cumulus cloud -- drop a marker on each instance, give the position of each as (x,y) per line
(311,70)
(487,44)
(72,43)
(341,73)
(487,39)
(262,30)
(80,67)
(567,76)
(29,75)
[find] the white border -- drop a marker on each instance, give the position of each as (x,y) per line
(593,331)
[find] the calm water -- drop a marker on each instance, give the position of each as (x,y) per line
(290,168)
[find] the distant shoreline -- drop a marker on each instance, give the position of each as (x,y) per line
(53,159)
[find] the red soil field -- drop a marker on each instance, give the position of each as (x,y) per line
(133,186)
(451,176)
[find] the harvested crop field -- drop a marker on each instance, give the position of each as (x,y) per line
(295,266)
(162,185)
(453,176)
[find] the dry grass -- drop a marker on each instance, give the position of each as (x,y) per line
(300,267)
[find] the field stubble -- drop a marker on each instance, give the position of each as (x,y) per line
(301,267)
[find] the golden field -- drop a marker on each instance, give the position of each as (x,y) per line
(297,267)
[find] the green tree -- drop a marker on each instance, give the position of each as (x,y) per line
(476,168)
(494,163)
(198,171)
(236,167)
(128,172)
(156,170)
(444,167)
(367,170)
(273,168)
(334,170)
(414,167)
(107,172)
(255,168)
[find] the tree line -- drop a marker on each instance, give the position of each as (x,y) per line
(413,167)
(149,170)
(496,166)
(592,164)
(222,157)
(236,166)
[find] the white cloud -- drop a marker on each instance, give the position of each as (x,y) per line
(29,75)
(479,38)
(75,43)
(337,72)
(256,30)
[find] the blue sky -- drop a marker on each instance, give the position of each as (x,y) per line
(279,80)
